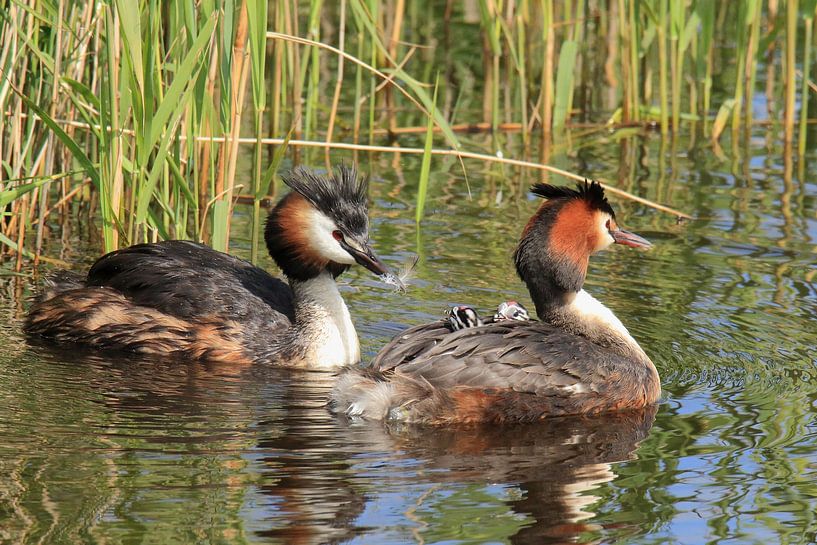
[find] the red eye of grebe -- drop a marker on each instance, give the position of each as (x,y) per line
(337,235)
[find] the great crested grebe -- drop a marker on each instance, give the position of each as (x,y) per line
(183,299)
(579,359)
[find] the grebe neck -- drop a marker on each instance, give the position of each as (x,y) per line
(584,315)
(555,280)
(323,323)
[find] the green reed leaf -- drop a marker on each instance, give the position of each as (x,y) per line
(564,83)
(425,167)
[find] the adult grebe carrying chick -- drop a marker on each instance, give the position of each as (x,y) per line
(579,359)
(183,299)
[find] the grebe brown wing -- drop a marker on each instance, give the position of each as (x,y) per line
(410,344)
(170,298)
(415,341)
(188,280)
(525,367)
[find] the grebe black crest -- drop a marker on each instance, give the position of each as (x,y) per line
(579,359)
(183,299)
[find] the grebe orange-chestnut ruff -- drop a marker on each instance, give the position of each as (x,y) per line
(579,359)
(186,300)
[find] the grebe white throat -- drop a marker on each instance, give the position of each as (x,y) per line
(320,309)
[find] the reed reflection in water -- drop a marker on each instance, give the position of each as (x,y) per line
(184,452)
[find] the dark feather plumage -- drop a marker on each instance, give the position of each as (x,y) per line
(174,297)
(590,191)
(187,279)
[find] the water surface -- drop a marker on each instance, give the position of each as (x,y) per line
(102,449)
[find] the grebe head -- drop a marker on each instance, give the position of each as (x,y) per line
(322,224)
(557,242)
(511,310)
(462,317)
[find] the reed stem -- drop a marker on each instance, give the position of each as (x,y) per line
(662,66)
(790,87)
(133,108)
(804,86)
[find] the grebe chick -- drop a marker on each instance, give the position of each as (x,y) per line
(185,300)
(463,316)
(579,359)
(511,310)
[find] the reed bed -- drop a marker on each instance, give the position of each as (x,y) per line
(135,111)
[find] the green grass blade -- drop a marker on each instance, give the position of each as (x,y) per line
(692,26)
(13,193)
(564,83)
(487,23)
(257,22)
(149,186)
(90,168)
(180,182)
(428,103)
(364,17)
(182,80)
(277,159)
(83,90)
(722,118)
(425,168)
(221,212)
(131,24)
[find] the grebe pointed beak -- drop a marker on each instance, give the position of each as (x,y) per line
(620,236)
(366,257)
